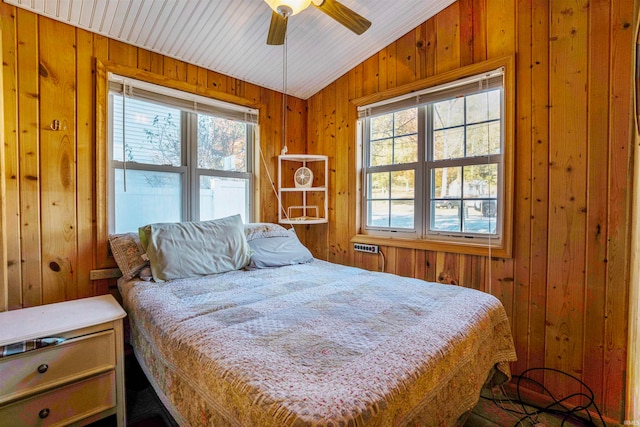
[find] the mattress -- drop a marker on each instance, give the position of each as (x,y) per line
(316,344)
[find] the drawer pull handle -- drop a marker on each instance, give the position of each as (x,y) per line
(44,413)
(43,368)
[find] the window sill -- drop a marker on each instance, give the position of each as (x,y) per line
(497,251)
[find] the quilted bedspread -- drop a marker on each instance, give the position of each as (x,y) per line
(316,344)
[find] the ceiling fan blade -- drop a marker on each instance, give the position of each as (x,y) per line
(344,15)
(277,29)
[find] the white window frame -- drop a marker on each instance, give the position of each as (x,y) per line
(419,94)
(190,106)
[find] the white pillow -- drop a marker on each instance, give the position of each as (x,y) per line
(277,251)
(188,249)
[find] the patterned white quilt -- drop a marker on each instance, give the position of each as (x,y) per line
(316,344)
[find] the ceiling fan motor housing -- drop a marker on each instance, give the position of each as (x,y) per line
(284,10)
(287,8)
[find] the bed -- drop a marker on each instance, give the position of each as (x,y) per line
(311,343)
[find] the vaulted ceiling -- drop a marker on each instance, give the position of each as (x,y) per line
(229,36)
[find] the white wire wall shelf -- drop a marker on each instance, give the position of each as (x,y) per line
(302,189)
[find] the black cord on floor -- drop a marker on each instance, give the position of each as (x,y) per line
(560,408)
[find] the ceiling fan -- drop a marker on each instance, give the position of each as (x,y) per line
(283,9)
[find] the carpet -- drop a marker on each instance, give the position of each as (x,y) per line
(144,408)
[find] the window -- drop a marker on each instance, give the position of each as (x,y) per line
(434,164)
(176,157)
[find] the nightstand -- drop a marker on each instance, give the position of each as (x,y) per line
(77,381)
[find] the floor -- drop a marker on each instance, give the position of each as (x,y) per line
(497,411)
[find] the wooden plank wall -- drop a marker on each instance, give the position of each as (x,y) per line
(4,285)
(566,287)
(49,175)
(633,352)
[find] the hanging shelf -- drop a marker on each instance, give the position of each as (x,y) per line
(302,189)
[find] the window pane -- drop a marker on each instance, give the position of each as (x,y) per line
(480,216)
(483,139)
(378,213)
(445,217)
(403,188)
(381,152)
(222,144)
(448,113)
(447,203)
(150,197)
(446,183)
(483,106)
(402,213)
(448,143)
(379,185)
(481,181)
(402,185)
(406,122)
(382,127)
(394,138)
(221,197)
(405,150)
(152,132)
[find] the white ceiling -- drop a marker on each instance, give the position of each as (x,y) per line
(229,36)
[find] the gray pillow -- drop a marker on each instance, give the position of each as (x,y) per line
(278,251)
(189,249)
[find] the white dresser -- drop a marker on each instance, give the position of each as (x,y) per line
(75,382)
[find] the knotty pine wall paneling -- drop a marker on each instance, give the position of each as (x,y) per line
(4,292)
(567,192)
(27,175)
(619,195)
(566,287)
(633,352)
(49,175)
(57,55)
(85,164)
(598,170)
(11,233)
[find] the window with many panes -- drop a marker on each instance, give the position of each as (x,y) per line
(176,157)
(434,163)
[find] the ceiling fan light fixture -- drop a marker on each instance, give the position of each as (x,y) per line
(283,9)
(288,7)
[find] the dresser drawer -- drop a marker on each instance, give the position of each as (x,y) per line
(39,370)
(63,405)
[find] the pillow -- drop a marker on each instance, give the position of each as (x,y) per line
(278,251)
(257,230)
(128,252)
(188,249)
